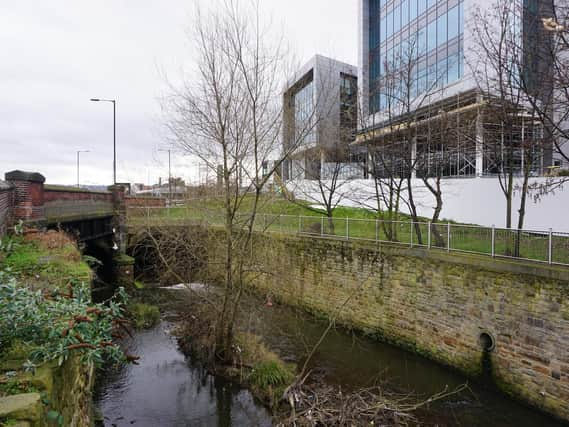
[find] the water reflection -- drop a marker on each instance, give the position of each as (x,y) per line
(164,390)
(353,361)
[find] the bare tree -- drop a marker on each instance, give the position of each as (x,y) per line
(505,76)
(411,138)
(228,114)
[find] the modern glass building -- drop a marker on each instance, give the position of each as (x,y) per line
(320,108)
(422,109)
(425,36)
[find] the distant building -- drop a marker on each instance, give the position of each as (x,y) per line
(320,117)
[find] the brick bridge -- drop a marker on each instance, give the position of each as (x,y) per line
(95,218)
(88,214)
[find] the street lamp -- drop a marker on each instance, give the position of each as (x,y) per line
(78,152)
(114,134)
(169,176)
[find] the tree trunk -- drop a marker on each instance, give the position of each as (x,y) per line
(331,229)
(522,209)
(413,210)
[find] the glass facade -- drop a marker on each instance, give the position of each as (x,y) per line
(348,107)
(423,36)
(303,114)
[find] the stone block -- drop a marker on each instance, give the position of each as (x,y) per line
(25,406)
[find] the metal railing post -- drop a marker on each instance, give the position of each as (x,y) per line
(493,240)
(347,228)
(376,230)
(322,226)
(448,236)
(299,224)
(429,235)
(411,238)
(550,247)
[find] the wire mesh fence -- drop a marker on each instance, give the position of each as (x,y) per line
(534,245)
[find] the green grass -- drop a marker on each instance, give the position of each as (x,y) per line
(48,267)
(144,315)
(270,373)
(281,215)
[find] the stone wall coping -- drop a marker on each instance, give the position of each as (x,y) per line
(496,264)
(483,262)
(66,189)
(18,175)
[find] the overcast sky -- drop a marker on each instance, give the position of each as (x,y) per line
(58,54)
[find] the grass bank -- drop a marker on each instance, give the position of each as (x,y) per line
(45,260)
(276,214)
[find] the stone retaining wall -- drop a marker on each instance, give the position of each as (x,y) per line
(433,303)
(65,391)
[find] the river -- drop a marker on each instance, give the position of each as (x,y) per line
(167,389)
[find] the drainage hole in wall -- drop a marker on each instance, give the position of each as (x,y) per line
(487,342)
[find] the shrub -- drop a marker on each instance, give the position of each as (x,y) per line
(270,373)
(144,315)
(56,324)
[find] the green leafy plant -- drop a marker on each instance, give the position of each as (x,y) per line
(19,228)
(58,324)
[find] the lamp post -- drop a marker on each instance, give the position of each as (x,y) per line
(114,134)
(169,176)
(78,152)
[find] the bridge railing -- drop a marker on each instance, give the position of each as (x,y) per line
(545,246)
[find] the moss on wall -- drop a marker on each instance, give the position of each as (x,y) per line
(52,393)
(435,304)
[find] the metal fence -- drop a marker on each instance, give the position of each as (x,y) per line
(545,246)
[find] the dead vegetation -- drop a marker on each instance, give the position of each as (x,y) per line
(313,402)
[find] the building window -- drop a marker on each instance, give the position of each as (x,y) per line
(303,115)
(438,30)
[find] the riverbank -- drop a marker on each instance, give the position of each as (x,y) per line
(349,362)
(50,333)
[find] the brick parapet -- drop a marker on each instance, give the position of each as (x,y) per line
(28,195)
(6,204)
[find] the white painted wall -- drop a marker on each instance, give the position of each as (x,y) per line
(469,200)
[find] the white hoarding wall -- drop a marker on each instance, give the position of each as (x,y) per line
(467,200)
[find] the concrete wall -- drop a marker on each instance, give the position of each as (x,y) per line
(433,303)
(469,200)
(62,203)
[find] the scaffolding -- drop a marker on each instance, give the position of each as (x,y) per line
(465,135)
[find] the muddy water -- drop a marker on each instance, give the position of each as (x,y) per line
(351,360)
(166,389)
